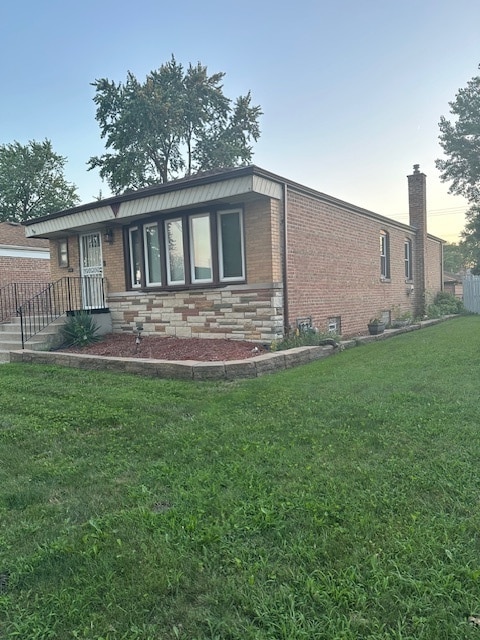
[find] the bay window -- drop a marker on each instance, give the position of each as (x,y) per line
(189,250)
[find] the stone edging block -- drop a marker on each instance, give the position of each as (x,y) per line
(194,370)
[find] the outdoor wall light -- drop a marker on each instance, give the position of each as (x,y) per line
(108,236)
(410,290)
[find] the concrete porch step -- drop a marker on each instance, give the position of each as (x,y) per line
(11,337)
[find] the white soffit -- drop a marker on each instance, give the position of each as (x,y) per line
(63,223)
(168,201)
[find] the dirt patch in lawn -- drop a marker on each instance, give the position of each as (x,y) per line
(119,345)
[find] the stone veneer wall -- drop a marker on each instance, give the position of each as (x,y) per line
(239,312)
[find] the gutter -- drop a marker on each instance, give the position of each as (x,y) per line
(286,323)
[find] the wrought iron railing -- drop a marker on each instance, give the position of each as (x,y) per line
(58,298)
(14,294)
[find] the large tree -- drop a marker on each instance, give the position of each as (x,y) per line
(178,121)
(460,140)
(470,243)
(32,183)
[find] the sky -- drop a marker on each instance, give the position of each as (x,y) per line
(351,90)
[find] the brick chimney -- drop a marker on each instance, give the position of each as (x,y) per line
(417,207)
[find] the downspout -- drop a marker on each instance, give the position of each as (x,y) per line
(442,273)
(286,323)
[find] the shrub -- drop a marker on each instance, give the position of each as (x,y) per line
(447,304)
(434,311)
(80,330)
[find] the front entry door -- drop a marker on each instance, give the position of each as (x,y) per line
(92,270)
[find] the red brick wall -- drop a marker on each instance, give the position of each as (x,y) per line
(333,265)
(263,233)
(112,254)
(14,269)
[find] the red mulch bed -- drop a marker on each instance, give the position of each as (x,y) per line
(123,345)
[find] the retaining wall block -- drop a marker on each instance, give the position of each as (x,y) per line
(270,362)
(297,356)
(235,369)
(209,371)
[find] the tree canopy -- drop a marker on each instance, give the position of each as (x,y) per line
(460,140)
(177,122)
(456,257)
(470,243)
(32,183)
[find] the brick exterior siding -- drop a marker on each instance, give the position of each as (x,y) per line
(333,265)
(24,270)
(19,268)
(433,269)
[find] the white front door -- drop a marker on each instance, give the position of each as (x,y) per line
(92,270)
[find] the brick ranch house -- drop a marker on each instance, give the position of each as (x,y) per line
(22,260)
(245,254)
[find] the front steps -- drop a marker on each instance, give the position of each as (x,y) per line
(11,337)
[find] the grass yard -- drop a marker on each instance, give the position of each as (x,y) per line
(336,500)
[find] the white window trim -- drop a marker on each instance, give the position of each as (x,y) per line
(132,263)
(408,260)
(221,275)
(192,250)
(385,255)
(150,283)
(171,282)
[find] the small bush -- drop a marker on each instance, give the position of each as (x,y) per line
(80,330)
(434,311)
(445,304)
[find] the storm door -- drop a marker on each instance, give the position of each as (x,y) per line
(92,270)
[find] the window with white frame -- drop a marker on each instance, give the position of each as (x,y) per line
(63,252)
(335,325)
(384,255)
(201,249)
(175,253)
(231,257)
(408,259)
(135,247)
(193,249)
(151,243)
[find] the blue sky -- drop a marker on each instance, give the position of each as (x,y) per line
(351,90)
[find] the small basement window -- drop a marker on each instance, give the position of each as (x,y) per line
(63,252)
(335,325)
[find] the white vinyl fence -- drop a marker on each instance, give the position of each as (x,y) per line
(471,293)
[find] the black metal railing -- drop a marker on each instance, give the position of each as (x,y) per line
(58,298)
(14,294)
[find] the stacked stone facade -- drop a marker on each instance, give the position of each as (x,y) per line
(235,312)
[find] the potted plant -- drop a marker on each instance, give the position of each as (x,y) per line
(376,326)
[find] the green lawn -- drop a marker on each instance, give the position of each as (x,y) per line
(336,500)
